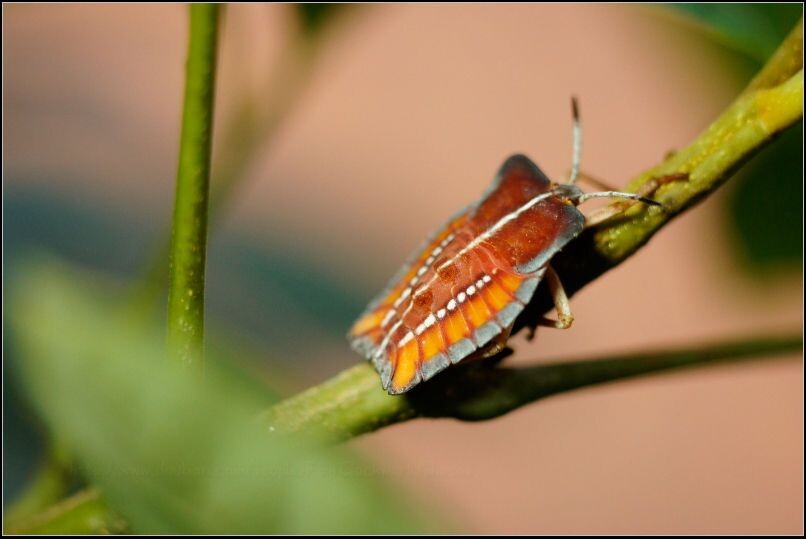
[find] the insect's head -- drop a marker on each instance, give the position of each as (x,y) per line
(568,192)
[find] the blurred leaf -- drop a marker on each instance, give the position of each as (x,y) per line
(765,206)
(84,513)
(314,16)
(755,30)
(174,452)
(262,290)
(79,228)
(23,446)
(273,290)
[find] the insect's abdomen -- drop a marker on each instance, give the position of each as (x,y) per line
(457,307)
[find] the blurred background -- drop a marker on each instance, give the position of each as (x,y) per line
(343,135)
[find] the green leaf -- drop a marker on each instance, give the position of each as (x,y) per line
(84,513)
(314,16)
(765,207)
(174,452)
(754,30)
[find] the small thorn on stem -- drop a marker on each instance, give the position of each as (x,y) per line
(649,201)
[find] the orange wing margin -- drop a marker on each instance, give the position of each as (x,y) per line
(367,332)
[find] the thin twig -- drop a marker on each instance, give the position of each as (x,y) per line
(353,402)
(83,513)
(189,240)
(49,484)
(257,116)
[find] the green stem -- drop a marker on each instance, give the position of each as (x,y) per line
(189,239)
(252,126)
(83,513)
(349,404)
(353,402)
(772,102)
(50,483)
(751,122)
(785,61)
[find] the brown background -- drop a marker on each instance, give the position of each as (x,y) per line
(409,114)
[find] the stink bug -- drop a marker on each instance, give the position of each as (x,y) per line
(459,293)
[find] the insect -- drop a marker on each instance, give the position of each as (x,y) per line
(457,296)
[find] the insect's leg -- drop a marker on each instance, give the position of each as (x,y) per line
(646,190)
(564,316)
(495,346)
(499,343)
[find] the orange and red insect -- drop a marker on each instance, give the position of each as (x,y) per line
(458,295)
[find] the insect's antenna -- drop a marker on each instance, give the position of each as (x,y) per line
(617,194)
(577,132)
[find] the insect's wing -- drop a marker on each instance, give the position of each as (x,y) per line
(518,180)
(368,331)
(502,278)
(518,242)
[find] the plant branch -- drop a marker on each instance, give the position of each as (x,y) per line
(50,483)
(256,118)
(772,102)
(188,245)
(785,61)
(353,402)
(83,513)
(189,240)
